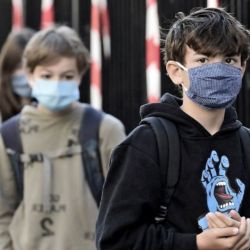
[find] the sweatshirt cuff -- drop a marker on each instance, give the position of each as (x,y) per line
(184,242)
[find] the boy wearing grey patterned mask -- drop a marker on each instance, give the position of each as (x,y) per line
(206,53)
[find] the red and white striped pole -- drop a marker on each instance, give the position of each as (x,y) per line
(96,56)
(17,14)
(213,3)
(153,74)
(47,15)
(105,27)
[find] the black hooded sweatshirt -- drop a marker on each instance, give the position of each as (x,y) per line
(213,177)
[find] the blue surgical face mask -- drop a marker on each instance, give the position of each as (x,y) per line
(55,95)
(20,86)
(214,85)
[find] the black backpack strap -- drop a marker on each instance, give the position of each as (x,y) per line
(169,158)
(12,141)
(89,139)
(245,142)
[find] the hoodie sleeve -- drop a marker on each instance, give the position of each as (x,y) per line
(131,198)
(7,198)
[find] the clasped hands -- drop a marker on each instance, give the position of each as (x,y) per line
(227,232)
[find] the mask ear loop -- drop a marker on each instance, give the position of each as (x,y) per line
(185,69)
(185,89)
(181,66)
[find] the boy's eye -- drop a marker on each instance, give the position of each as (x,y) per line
(203,60)
(230,60)
(45,76)
(68,77)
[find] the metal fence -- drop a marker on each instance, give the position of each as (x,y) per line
(124,88)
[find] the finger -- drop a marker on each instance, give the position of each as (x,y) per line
(243,225)
(247,235)
(248,230)
(214,221)
(235,215)
(211,224)
(241,245)
(242,189)
(214,157)
(241,185)
(226,220)
(211,168)
(205,177)
(225,232)
(241,240)
(224,237)
(210,164)
(224,165)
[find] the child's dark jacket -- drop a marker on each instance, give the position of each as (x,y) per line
(212,178)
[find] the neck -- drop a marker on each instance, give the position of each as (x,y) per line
(210,119)
(45,110)
(25,101)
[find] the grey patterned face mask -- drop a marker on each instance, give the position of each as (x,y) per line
(213,86)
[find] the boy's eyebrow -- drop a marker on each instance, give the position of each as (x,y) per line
(231,55)
(64,72)
(208,55)
(43,68)
(69,71)
(200,54)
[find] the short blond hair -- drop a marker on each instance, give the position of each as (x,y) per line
(49,45)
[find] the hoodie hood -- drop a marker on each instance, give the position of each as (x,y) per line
(169,108)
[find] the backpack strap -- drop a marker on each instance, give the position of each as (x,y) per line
(169,158)
(245,141)
(12,140)
(89,139)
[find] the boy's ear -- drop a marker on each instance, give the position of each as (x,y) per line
(244,65)
(174,72)
(81,77)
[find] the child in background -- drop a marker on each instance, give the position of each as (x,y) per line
(206,53)
(15,91)
(58,210)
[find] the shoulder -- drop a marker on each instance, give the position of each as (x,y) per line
(142,139)
(247,129)
(107,120)
(244,133)
(111,131)
(110,122)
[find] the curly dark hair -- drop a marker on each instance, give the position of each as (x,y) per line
(208,31)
